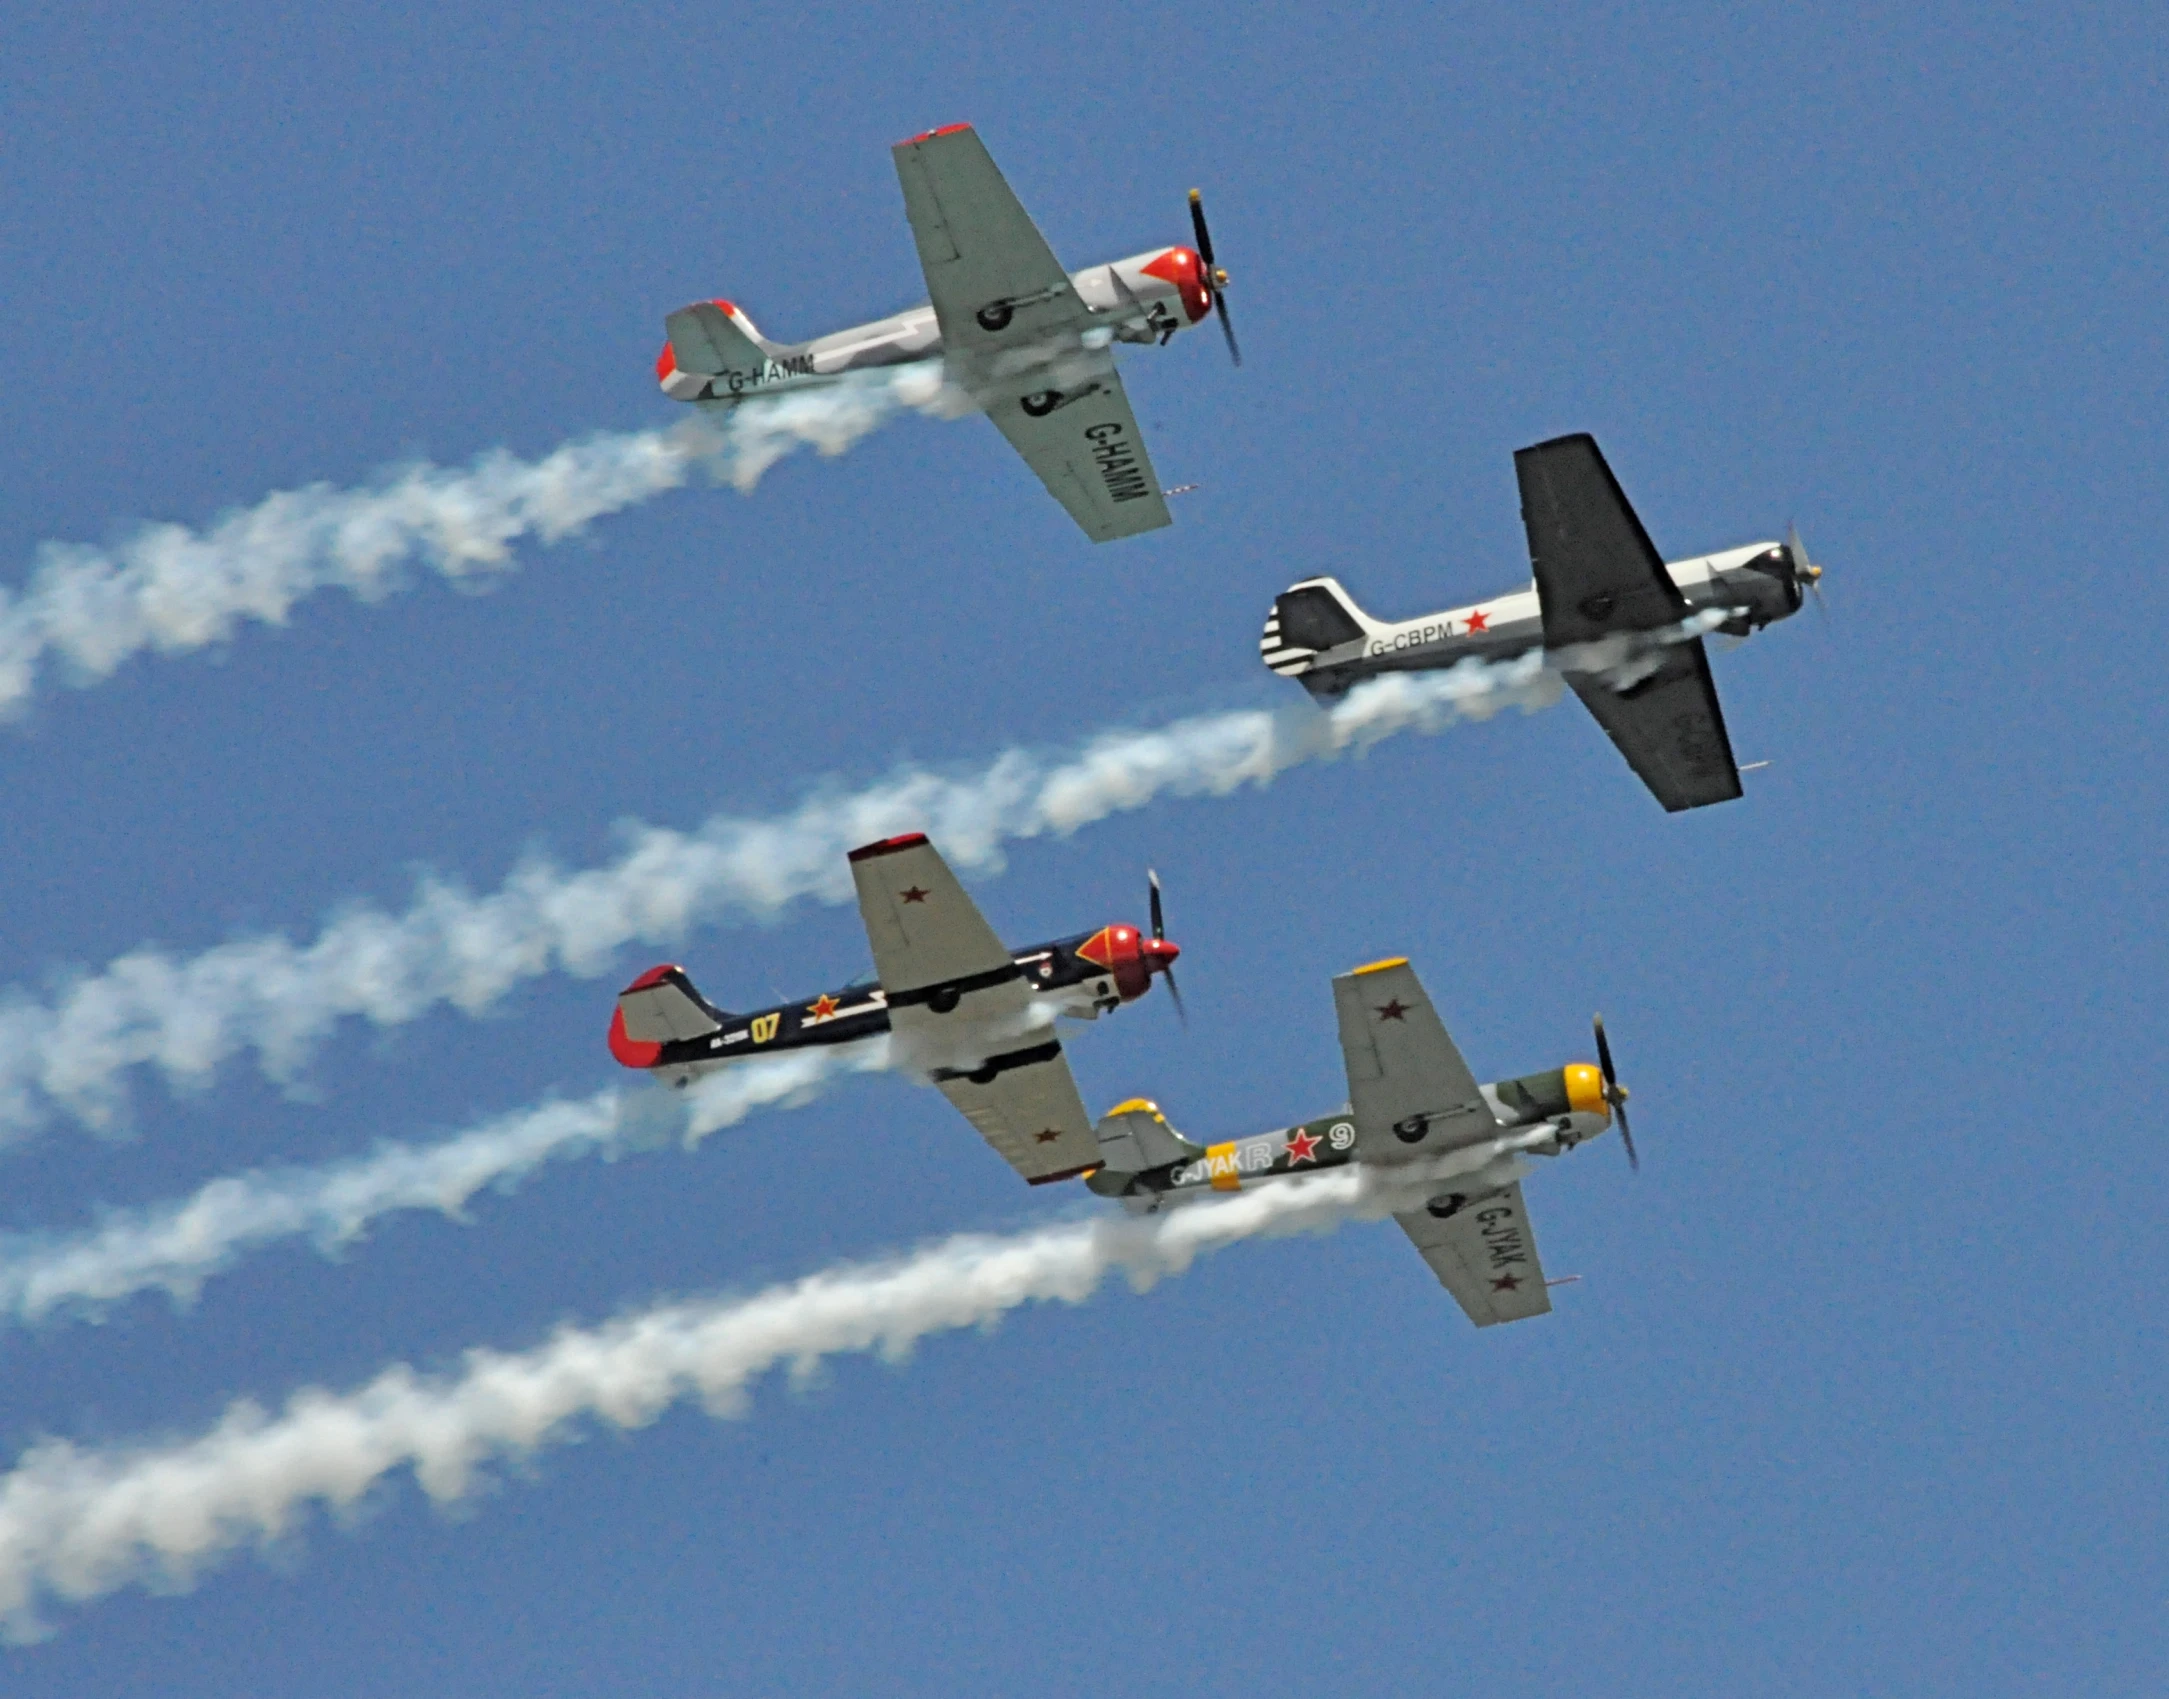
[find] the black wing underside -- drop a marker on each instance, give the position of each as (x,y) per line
(1598,576)
(1669,728)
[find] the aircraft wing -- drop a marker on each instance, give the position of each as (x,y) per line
(1088,451)
(1669,728)
(960,1011)
(1009,317)
(1597,573)
(1411,1093)
(927,935)
(1025,1105)
(984,258)
(1597,576)
(1485,1255)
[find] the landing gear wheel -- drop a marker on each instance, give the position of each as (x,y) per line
(1040,403)
(995,316)
(944,1001)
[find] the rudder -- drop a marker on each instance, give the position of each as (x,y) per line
(1309,620)
(1134,1138)
(660,1007)
(712,340)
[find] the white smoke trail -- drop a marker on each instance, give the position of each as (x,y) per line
(169,588)
(178,1245)
(78,1522)
(281,999)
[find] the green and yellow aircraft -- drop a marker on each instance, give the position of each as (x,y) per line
(1442,1151)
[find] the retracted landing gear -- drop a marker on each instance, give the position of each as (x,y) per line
(1041,402)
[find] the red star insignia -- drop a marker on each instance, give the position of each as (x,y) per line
(1392,1011)
(1302,1148)
(1507,1283)
(823,1007)
(1479,621)
(914,895)
(1049,1135)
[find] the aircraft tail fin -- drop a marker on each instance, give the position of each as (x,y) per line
(1308,623)
(1135,1137)
(660,1007)
(710,340)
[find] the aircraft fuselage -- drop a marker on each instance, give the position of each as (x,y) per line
(1551,1112)
(1145,298)
(1082,976)
(1752,583)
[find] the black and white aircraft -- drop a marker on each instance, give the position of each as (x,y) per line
(1442,1150)
(1621,625)
(962,1008)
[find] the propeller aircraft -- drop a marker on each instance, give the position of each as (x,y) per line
(1029,343)
(964,1010)
(1418,1124)
(1622,625)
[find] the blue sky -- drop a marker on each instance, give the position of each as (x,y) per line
(1860,1391)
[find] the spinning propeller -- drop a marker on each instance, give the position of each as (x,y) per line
(1218,281)
(1166,962)
(1615,1094)
(1804,571)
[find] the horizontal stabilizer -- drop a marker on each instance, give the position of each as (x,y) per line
(660,1007)
(706,338)
(1135,1139)
(1310,620)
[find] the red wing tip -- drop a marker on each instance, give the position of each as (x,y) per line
(929,135)
(728,309)
(654,976)
(888,846)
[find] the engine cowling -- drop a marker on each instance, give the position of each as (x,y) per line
(1576,1089)
(1128,957)
(1173,278)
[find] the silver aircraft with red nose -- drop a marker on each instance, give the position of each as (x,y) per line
(1023,340)
(959,1006)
